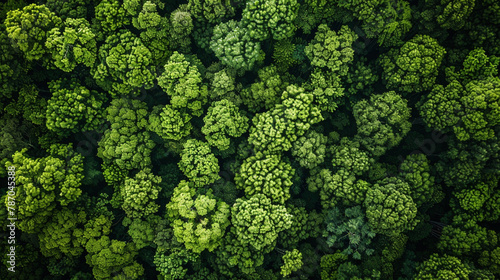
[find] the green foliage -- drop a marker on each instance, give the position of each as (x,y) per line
(198,163)
(125,64)
(336,177)
(349,231)
(442,267)
(257,221)
(233,45)
(473,198)
(455,13)
(212,11)
(266,91)
(327,89)
(476,66)
(491,260)
(390,209)
(29,105)
(171,266)
(386,21)
(142,231)
(415,170)
(11,69)
(330,264)
(223,120)
(265,19)
(28,29)
(73,45)
(414,67)
(304,225)
(110,257)
(331,49)
(284,55)
(57,237)
(382,121)
(169,123)
(341,187)
(470,110)
(45,183)
(110,15)
(139,194)
(292,262)
(154,32)
(310,150)
(223,87)
(265,174)
(183,83)
(74,108)
(199,221)
(470,239)
(350,157)
(73,9)
(126,143)
(275,130)
(181,27)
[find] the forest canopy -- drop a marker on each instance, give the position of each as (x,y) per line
(255,139)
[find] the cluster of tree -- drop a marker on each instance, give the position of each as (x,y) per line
(257,139)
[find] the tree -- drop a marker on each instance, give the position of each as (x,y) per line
(126,143)
(332,50)
(415,170)
(71,44)
(110,15)
(58,237)
(442,267)
(310,150)
(28,29)
(257,221)
(139,194)
(199,221)
(469,239)
(154,28)
(74,108)
(29,105)
(470,111)
(109,257)
(382,121)
(69,9)
(265,174)
(181,27)
(264,19)
(11,69)
(233,45)
(349,230)
(274,131)
(266,91)
(292,262)
(170,123)
(327,88)
(390,209)
(43,184)
(224,86)
(386,21)
(125,65)
(198,163)
(211,11)
(142,231)
(182,81)
(350,157)
(413,67)
(305,224)
(223,120)
(337,188)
